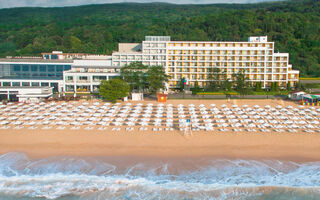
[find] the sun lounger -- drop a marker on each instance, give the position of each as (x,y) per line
(75,128)
(18,127)
(60,127)
(47,127)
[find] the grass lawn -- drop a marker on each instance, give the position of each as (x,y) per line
(252,93)
(271,93)
(311,78)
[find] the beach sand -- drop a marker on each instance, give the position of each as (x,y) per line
(298,147)
(43,143)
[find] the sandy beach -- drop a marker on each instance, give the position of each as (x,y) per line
(283,146)
(299,146)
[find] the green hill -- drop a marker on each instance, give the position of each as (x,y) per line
(293,25)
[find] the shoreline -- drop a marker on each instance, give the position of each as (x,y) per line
(299,147)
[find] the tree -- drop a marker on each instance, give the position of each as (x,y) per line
(276,86)
(272,87)
(299,86)
(212,86)
(288,86)
(181,82)
(196,88)
(135,74)
(258,87)
(113,89)
(213,79)
(242,84)
(156,78)
(227,85)
(75,43)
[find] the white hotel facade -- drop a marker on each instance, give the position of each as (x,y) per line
(193,60)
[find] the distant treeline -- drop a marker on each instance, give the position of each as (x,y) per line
(293,25)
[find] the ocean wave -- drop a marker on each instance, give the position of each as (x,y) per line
(93,178)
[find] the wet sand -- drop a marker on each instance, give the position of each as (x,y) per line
(43,143)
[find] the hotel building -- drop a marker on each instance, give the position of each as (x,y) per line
(86,75)
(194,60)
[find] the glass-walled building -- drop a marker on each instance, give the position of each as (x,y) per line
(31,72)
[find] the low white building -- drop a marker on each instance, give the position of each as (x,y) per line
(296,95)
(26,94)
(86,75)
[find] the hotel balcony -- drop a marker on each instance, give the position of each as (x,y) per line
(83,81)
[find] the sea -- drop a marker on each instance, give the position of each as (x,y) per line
(73,178)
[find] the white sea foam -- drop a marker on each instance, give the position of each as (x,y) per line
(58,177)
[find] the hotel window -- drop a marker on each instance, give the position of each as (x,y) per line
(43,68)
(15,84)
(16,68)
(83,78)
(34,68)
(25,68)
(25,84)
(35,84)
(66,67)
(6,83)
(69,88)
(51,68)
(69,78)
(59,68)
(98,78)
(24,75)
(44,84)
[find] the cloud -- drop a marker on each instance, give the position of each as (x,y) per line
(61,3)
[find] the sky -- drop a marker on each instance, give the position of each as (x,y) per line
(61,3)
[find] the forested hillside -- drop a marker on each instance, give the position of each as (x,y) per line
(294,26)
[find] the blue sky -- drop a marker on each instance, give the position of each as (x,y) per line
(60,3)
